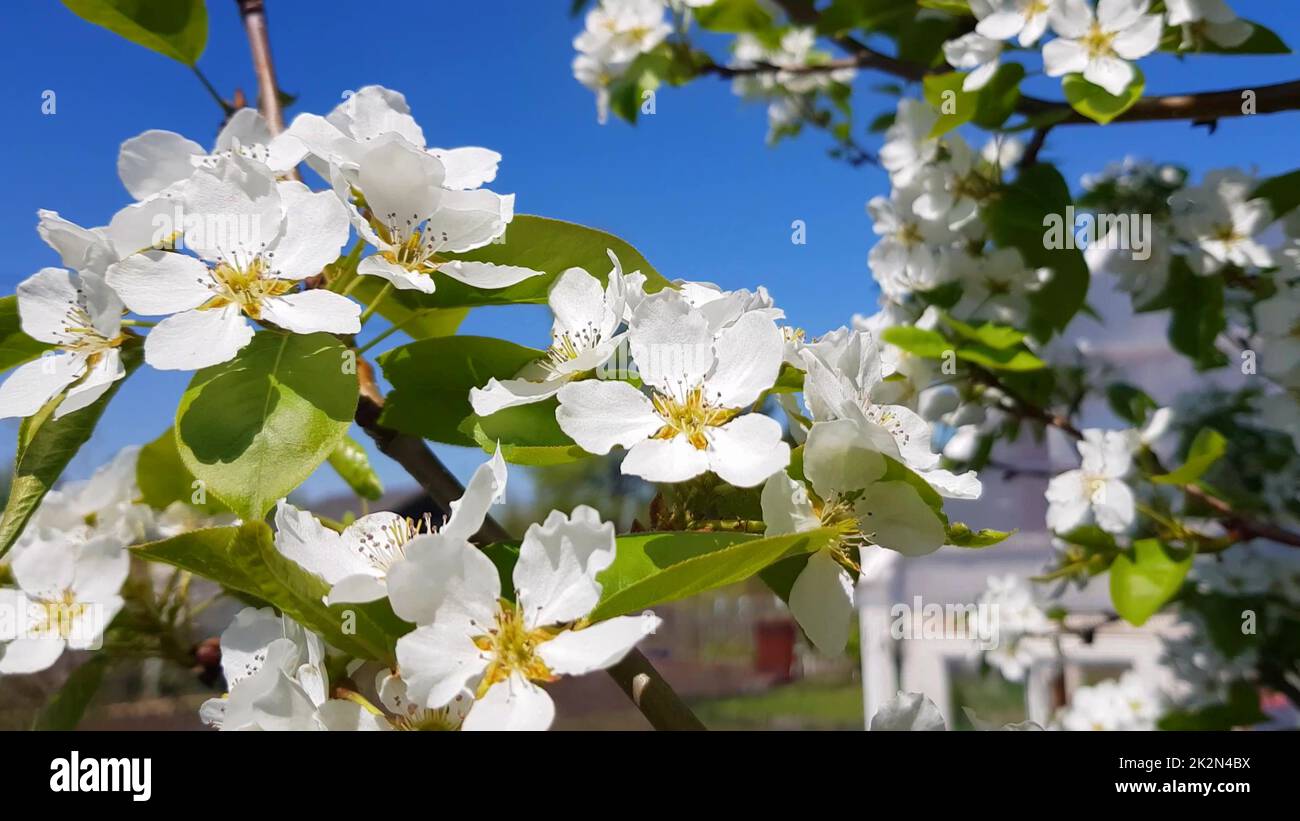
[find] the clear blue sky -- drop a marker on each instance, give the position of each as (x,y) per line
(694,187)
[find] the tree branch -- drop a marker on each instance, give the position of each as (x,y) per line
(1239,525)
(635,675)
(1199,107)
(268,91)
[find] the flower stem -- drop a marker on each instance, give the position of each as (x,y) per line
(374,303)
(226,107)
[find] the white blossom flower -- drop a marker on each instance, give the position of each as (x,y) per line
(997,286)
(906,258)
(908,147)
(1278,331)
(583,338)
(407,213)
(1095,492)
(793,51)
(156,160)
(1212,19)
(471,638)
(358,561)
(105,504)
(846,472)
(597,75)
(695,419)
(409,715)
(256,239)
(68,592)
(340,138)
(1026,20)
(81,317)
(1016,614)
(1099,46)
(950,190)
(1221,223)
(1127,704)
(844,380)
(617,31)
(977,54)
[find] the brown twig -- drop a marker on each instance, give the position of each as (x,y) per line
(253,13)
(635,675)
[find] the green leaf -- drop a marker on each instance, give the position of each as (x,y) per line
(958,7)
(254,428)
(921,36)
(1282,193)
(527,435)
(955,107)
(405,310)
(436,408)
(1196,315)
(1205,450)
(174,28)
(1129,403)
(162,477)
(1261,41)
(842,16)
(1019,219)
(16,347)
(1240,710)
(988,334)
(922,342)
(45,447)
(63,711)
(245,559)
(1144,578)
(653,568)
(789,380)
(352,464)
(961,535)
(997,100)
(1001,360)
(734,16)
(1098,104)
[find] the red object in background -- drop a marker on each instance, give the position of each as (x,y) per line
(774,648)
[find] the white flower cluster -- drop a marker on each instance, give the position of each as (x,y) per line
(616,33)
(1129,703)
(220,240)
(1100,43)
(70,562)
(790,89)
(477,653)
(1018,613)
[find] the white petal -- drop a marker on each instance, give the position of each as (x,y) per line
(486,274)
(598,647)
(46,566)
(599,415)
(671,342)
(1067,499)
(578,302)
(311,545)
(1115,509)
(154,160)
(821,600)
(747,450)
(1110,73)
(838,457)
(233,211)
(665,460)
(245,128)
(895,516)
(1001,25)
(244,642)
(402,184)
(45,300)
(307,312)
(954,486)
(196,339)
(555,577)
(348,716)
(438,661)
(106,370)
(315,229)
(159,282)
(361,588)
(30,655)
(1071,18)
(30,386)
(1117,15)
(446,581)
(466,220)
(467,167)
(402,278)
(509,393)
(79,248)
(1141,39)
(1064,57)
(515,704)
(786,507)
(749,355)
(483,490)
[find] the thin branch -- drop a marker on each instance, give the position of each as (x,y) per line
(635,675)
(1199,107)
(1035,147)
(1239,525)
(254,14)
